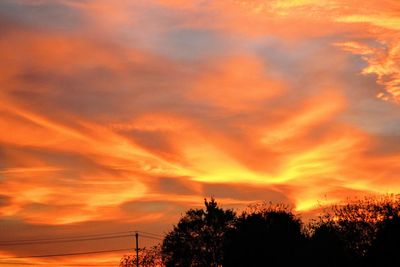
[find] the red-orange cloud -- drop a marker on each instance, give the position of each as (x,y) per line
(131,113)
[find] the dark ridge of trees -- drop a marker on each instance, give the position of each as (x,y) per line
(385,248)
(270,234)
(197,240)
(327,246)
(148,257)
(363,233)
(349,232)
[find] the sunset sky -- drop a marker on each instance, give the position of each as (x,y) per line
(121,115)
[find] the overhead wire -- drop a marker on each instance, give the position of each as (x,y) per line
(61,238)
(147,233)
(74,239)
(68,254)
(151,237)
(105,264)
(63,241)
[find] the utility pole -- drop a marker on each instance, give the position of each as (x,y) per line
(137,249)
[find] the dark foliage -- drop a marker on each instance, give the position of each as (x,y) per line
(350,234)
(385,249)
(148,257)
(197,240)
(327,247)
(268,235)
(363,233)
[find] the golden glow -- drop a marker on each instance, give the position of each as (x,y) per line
(390,22)
(132,112)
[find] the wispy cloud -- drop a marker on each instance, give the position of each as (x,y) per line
(129,113)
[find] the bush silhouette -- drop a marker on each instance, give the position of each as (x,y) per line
(350,233)
(148,257)
(385,249)
(361,233)
(197,239)
(270,236)
(327,242)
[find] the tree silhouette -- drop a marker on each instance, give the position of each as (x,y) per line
(361,233)
(327,247)
(385,248)
(348,232)
(197,239)
(270,236)
(148,257)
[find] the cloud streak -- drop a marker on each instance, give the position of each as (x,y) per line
(123,116)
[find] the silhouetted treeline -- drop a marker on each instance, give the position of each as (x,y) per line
(360,233)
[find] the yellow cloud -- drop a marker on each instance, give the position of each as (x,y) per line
(384,20)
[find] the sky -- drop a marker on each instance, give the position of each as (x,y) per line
(121,115)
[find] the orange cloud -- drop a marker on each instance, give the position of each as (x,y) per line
(140,111)
(236,84)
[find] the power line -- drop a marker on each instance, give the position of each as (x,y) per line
(63,241)
(61,238)
(64,264)
(151,237)
(68,254)
(76,238)
(147,233)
